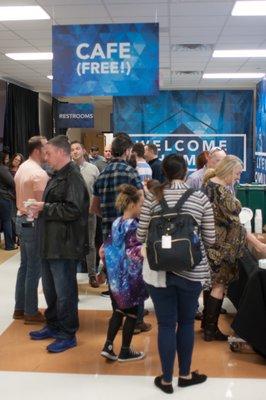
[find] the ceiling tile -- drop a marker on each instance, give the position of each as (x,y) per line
(142,10)
(75,11)
(205,8)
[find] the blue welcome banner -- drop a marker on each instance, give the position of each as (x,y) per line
(260,153)
(106,60)
(72,115)
(189,122)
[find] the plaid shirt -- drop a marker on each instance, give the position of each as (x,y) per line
(106,186)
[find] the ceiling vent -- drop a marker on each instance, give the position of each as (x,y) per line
(193,47)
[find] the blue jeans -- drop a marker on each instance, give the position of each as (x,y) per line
(29,272)
(6,221)
(61,293)
(175,308)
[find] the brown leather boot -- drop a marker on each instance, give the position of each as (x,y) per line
(93,282)
(34,319)
(18,314)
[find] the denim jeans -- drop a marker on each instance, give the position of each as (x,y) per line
(61,293)
(91,257)
(29,272)
(6,221)
(175,308)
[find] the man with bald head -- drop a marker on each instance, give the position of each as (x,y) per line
(195,180)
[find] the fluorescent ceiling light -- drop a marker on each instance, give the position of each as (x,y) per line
(240,53)
(50,77)
(22,13)
(30,56)
(249,8)
(235,75)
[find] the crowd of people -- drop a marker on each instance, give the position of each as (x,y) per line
(59,196)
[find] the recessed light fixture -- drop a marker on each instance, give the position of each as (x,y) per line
(240,53)
(234,75)
(50,77)
(22,13)
(249,8)
(30,56)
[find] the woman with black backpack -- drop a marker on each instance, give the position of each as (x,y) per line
(175,288)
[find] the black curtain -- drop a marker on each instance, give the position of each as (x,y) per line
(21,118)
(56,129)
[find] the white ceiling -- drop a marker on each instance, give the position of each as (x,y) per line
(181,22)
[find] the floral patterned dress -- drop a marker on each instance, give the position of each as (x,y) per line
(230,234)
(124,262)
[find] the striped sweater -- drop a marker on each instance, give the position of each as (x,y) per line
(200,208)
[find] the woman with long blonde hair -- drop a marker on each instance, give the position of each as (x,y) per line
(231,238)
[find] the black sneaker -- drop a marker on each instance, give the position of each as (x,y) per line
(107,352)
(129,354)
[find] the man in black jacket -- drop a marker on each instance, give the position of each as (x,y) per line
(64,241)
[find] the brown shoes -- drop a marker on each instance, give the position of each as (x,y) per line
(142,327)
(93,282)
(18,314)
(34,319)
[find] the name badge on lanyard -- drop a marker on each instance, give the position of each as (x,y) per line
(166,242)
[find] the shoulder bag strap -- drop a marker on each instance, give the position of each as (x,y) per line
(164,206)
(183,199)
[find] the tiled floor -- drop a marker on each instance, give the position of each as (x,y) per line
(99,383)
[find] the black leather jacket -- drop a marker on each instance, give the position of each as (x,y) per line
(65,215)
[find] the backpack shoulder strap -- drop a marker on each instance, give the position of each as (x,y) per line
(164,206)
(183,199)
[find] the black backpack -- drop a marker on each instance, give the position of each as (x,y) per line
(185,252)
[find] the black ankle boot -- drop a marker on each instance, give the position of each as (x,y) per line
(206,295)
(211,330)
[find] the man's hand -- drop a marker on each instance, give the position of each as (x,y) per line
(36,208)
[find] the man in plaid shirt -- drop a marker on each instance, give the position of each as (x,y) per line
(115,174)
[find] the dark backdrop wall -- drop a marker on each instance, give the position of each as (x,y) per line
(190,121)
(3,86)
(45,115)
(21,118)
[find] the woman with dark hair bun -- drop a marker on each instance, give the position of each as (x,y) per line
(175,295)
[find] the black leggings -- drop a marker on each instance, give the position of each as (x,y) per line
(116,321)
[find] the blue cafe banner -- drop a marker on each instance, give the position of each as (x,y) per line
(260,152)
(106,60)
(73,115)
(189,122)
